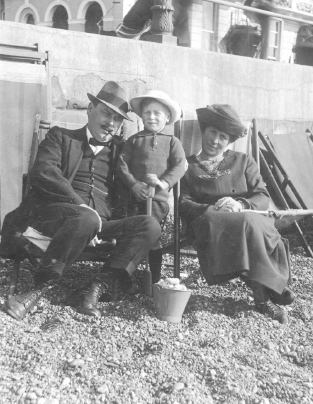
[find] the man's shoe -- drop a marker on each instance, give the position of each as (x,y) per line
(286,298)
(273,311)
(18,306)
(85,300)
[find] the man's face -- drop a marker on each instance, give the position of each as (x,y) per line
(103,121)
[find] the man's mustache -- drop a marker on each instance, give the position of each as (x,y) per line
(107,128)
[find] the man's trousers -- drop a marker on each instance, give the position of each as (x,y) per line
(72,227)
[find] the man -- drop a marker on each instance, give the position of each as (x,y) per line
(71,199)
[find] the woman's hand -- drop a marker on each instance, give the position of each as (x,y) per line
(228,204)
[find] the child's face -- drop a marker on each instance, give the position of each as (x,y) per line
(155,116)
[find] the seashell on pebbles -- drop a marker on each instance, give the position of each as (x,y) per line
(178,386)
(102,389)
(66,382)
(270,346)
(31,396)
(75,363)
(21,391)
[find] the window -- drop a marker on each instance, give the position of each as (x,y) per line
(209,26)
(93,18)
(60,18)
(2,10)
(274,39)
(30,19)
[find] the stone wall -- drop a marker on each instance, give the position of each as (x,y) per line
(81,63)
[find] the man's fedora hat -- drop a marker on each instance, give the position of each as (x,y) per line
(114,96)
(222,117)
(161,97)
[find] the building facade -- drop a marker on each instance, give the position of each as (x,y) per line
(211,26)
(212,22)
(77,15)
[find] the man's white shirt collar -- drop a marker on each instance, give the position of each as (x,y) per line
(95,149)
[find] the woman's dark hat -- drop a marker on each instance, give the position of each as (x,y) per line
(222,117)
(114,96)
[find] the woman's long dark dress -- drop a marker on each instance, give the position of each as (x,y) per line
(229,244)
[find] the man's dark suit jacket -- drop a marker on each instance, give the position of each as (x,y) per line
(58,159)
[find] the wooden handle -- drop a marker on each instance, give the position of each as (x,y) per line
(149,206)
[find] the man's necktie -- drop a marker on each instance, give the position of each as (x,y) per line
(95,142)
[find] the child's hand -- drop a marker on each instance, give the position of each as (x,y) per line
(152,180)
(163,184)
(141,191)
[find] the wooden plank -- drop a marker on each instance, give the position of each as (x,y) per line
(31,48)
(255,143)
(22,54)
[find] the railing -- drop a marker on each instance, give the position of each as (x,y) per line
(264,12)
(228,27)
(252,32)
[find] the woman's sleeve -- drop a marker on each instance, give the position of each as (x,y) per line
(258,196)
(177,163)
(124,159)
(188,207)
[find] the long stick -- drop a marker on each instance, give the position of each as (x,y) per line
(147,276)
(279,214)
(176,193)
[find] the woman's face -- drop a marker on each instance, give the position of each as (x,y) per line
(214,142)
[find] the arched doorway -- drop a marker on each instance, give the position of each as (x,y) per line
(94,15)
(30,19)
(60,18)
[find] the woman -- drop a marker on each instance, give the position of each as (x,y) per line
(217,186)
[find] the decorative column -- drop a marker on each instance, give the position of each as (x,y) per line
(162,23)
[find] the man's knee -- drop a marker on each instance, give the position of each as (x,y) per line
(89,220)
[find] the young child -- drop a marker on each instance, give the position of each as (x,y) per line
(152,159)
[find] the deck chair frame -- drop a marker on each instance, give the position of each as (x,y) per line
(280,189)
